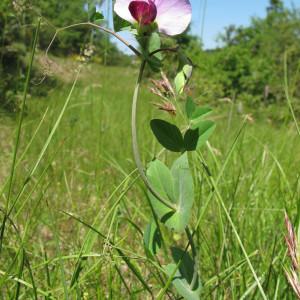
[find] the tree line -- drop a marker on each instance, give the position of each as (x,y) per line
(248,66)
(18,19)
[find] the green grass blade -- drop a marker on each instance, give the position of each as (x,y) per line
(19,129)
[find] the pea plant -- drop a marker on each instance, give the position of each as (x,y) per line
(170,189)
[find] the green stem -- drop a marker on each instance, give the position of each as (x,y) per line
(136,153)
(194,252)
(18,135)
(287,93)
(106,30)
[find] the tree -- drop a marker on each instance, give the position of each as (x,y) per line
(275,5)
(250,63)
(17,19)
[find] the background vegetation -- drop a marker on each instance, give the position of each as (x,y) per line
(249,66)
(17,21)
(81,164)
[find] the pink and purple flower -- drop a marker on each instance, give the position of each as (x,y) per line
(171,16)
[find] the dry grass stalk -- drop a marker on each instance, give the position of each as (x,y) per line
(292,245)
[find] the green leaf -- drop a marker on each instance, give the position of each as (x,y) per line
(175,185)
(161,179)
(205,128)
(200,113)
(193,112)
(94,15)
(182,78)
(182,59)
(184,275)
(120,24)
(190,107)
(152,240)
(168,135)
(98,17)
(200,131)
(184,193)
(191,139)
(179,82)
(155,44)
(187,70)
(154,63)
(91,11)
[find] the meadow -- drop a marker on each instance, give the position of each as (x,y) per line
(80,208)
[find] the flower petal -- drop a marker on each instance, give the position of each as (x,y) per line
(121,8)
(144,12)
(173,16)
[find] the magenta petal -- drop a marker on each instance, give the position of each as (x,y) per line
(143,12)
(173,16)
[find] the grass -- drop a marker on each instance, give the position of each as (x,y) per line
(75,229)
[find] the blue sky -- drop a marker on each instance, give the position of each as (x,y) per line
(221,13)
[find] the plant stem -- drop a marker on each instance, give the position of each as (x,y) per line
(136,153)
(287,93)
(134,102)
(111,32)
(194,252)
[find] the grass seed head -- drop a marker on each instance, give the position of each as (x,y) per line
(292,245)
